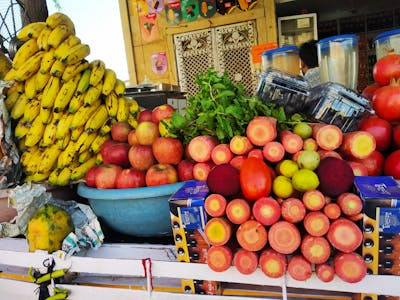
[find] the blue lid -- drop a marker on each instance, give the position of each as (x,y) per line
(338,37)
(281,49)
(387,34)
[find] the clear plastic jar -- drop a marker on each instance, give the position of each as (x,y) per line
(387,42)
(284,59)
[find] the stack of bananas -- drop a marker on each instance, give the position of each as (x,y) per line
(63,105)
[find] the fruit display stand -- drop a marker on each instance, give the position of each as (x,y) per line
(134,271)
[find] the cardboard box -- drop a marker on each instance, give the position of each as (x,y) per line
(188,219)
(381,223)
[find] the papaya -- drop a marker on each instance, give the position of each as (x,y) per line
(48,227)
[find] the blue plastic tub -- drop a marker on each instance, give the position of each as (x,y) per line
(137,211)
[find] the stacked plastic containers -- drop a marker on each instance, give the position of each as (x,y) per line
(285,59)
(387,42)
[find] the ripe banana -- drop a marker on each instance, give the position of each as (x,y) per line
(21,129)
(84,141)
(64,177)
(58,18)
(119,87)
(133,106)
(31,31)
(41,80)
(47,61)
(35,133)
(31,163)
(48,159)
(49,134)
(18,108)
(65,94)
(57,69)
(97,119)
(72,70)
(63,143)
(98,141)
(37,177)
(30,86)
(63,125)
(83,84)
(123,109)
(98,68)
(31,111)
(27,154)
(58,35)
(99,158)
(84,156)
(111,103)
(76,54)
(83,114)
(45,114)
(11,100)
(75,103)
(110,78)
(67,156)
(76,133)
(28,49)
(132,121)
(50,92)
(21,145)
(92,94)
(10,76)
(52,179)
(16,87)
(29,67)
(66,45)
(106,127)
(43,38)
(80,171)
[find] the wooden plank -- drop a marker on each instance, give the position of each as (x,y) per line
(270,20)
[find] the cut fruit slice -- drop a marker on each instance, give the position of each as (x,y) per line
(316,249)
(325,272)
(238,211)
(266,210)
(246,262)
(328,137)
(221,154)
(316,223)
(272,263)
(313,200)
(284,237)
(299,268)
(200,148)
(219,258)
(350,267)
(358,144)
(252,235)
(292,143)
(332,211)
(215,205)
(350,204)
(218,231)
(273,151)
(240,145)
(345,235)
(293,210)
(261,130)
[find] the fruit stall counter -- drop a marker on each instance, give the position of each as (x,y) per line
(132,271)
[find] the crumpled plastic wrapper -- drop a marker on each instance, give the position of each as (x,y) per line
(29,197)
(10,168)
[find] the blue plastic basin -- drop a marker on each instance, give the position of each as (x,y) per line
(137,211)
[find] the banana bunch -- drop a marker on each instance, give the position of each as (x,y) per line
(62,104)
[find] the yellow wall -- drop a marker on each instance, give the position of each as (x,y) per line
(138,51)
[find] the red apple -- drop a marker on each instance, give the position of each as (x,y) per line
(161,174)
(104,148)
(185,170)
(392,165)
(117,154)
(161,112)
(141,157)
(380,129)
(396,136)
(130,178)
(373,163)
(145,115)
(132,138)
(120,131)
(90,177)
(106,176)
(168,150)
(147,132)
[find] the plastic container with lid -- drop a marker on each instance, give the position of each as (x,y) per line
(387,42)
(338,60)
(284,58)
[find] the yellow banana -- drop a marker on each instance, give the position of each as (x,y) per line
(18,108)
(49,134)
(80,171)
(16,87)
(123,109)
(58,35)
(111,103)
(119,87)
(21,145)
(99,158)
(84,156)
(65,94)
(83,84)
(132,121)
(76,54)
(84,141)
(64,47)
(98,69)
(97,119)
(30,86)
(98,141)
(63,142)
(29,67)
(31,163)
(45,114)
(47,61)
(72,70)
(10,76)
(31,31)
(75,103)
(48,159)
(11,100)
(58,18)
(63,125)
(92,94)
(42,40)
(28,49)
(67,156)
(31,111)
(64,177)
(106,127)
(50,92)
(37,177)
(110,78)
(35,133)
(21,129)
(27,154)
(52,179)
(76,133)
(41,80)
(57,68)
(83,114)
(133,106)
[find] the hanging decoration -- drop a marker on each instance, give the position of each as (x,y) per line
(140,8)
(190,10)
(159,63)
(208,8)
(173,12)
(155,6)
(149,27)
